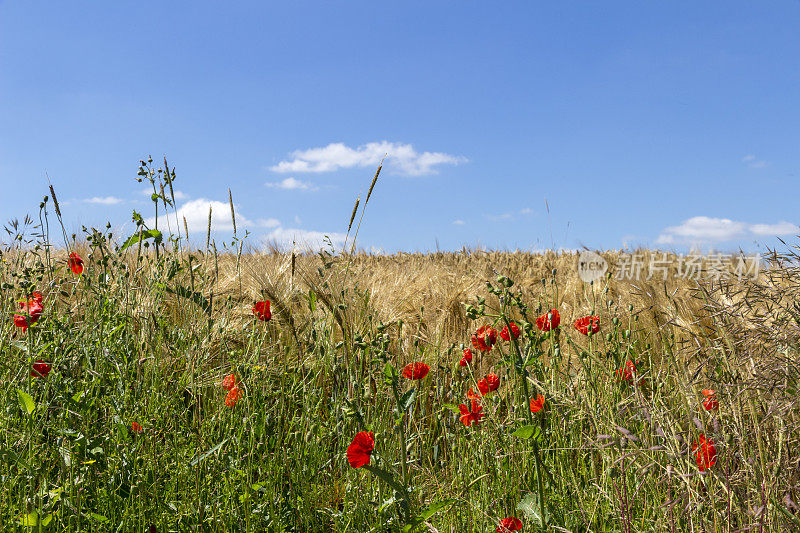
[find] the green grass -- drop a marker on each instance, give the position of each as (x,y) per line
(147,337)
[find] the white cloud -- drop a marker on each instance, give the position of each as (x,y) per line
(401,158)
(500,217)
(196,214)
(751,161)
(104,200)
(303,239)
(781,228)
(459,222)
(268,222)
(290,184)
(704,230)
(526,211)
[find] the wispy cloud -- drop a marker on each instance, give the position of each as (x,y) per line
(400,159)
(285,238)
(459,222)
(708,230)
(291,184)
(511,215)
(752,162)
(104,200)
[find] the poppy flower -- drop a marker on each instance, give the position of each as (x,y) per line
(512,523)
(416,370)
(472,395)
(230,381)
(626,372)
(588,324)
(233,396)
(359,451)
(40,369)
(514,331)
(493,381)
(706,452)
(537,404)
(710,401)
(136,427)
(483,386)
(471,415)
(467,357)
(261,310)
(33,309)
(484,338)
(549,320)
(75,263)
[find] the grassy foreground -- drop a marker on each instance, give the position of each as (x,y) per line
(130,430)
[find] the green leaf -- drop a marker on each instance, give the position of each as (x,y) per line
(390,373)
(26,402)
(432,509)
(29,520)
(98,517)
(451,406)
(526,432)
(144,235)
(407,399)
(206,455)
(196,297)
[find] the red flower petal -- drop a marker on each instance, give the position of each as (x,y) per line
(233,396)
(261,310)
(706,452)
(40,369)
(537,404)
(514,331)
(230,381)
(359,451)
(416,370)
(75,263)
(549,320)
(587,324)
(512,523)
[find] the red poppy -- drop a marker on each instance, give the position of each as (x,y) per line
(626,372)
(484,338)
(33,309)
(360,449)
(230,381)
(233,396)
(512,523)
(75,263)
(416,370)
(587,324)
(706,452)
(710,401)
(537,404)
(549,320)
(514,331)
(261,310)
(136,427)
(467,357)
(483,386)
(493,381)
(40,369)
(471,395)
(471,415)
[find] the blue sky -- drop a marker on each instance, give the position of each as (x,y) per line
(637,123)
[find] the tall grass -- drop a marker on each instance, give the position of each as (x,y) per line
(146,334)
